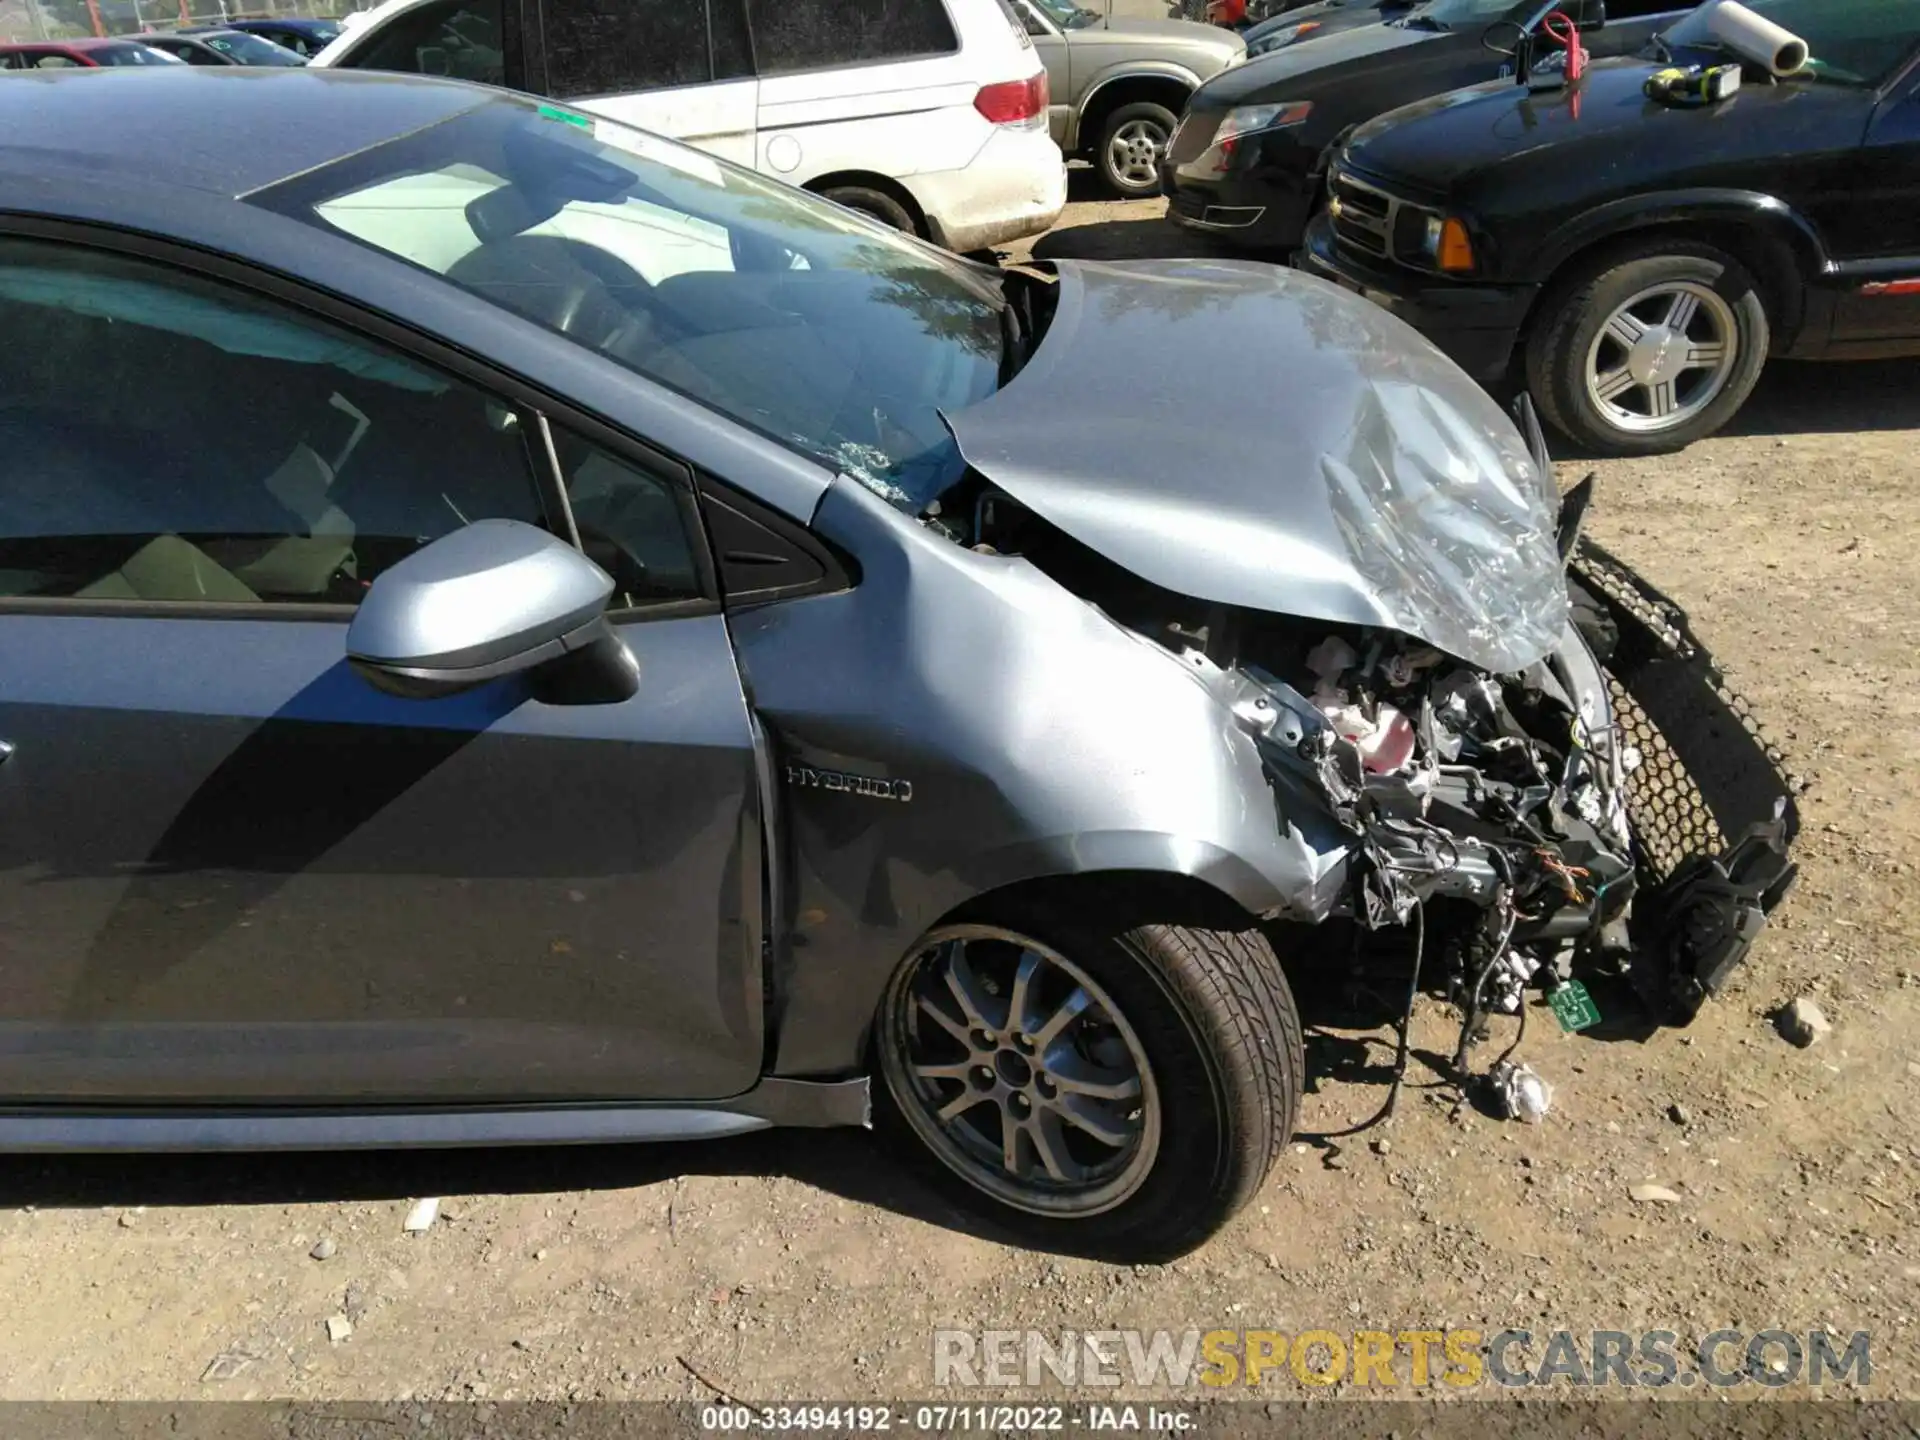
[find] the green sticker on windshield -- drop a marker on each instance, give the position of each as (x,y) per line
(565,117)
(1573,1007)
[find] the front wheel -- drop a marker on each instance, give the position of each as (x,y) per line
(1132,141)
(1649,350)
(1120,1094)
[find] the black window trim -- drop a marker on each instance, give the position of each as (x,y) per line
(535,406)
(838,571)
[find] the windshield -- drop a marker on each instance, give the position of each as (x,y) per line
(131,55)
(1850,42)
(1462,14)
(815,326)
(250,49)
(1066,16)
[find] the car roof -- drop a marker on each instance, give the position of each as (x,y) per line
(166,127)
(302,24)
(83,42)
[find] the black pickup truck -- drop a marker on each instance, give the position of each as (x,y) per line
(1245,164)
(1635,264)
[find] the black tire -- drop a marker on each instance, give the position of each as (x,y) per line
(1577,310)
(1147,119)
(1216,1019)
(877,203)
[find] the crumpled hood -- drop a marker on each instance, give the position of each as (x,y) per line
(1251,436)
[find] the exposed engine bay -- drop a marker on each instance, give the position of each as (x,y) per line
(1491,815)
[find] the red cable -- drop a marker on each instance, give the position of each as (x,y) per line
(1568,36)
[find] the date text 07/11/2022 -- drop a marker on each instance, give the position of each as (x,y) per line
(946,1418)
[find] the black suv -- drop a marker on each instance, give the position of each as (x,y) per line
(1641,262)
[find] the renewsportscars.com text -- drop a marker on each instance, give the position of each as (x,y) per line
(1407,1359)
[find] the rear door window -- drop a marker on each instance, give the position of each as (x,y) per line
(459,38)
(616,47)
(792,35)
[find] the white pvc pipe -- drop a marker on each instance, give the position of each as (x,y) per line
(1750,36)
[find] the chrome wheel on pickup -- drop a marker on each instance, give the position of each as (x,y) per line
(1662,357)
(1122,1090)
(1648,349)
(1132,140)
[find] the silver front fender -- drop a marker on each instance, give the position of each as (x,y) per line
(958,722)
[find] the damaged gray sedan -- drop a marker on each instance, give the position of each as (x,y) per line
(570,641)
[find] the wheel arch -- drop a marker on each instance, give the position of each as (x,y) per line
(1162,84)
(1134,896)
(872,180)
(1131,897)
(1140,878)
(1778,247)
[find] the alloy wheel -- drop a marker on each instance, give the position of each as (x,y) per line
(1134,151)
(1662,357)
(1020,1073)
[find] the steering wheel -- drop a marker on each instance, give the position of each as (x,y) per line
(564,284)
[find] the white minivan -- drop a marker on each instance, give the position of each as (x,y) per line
(929,114)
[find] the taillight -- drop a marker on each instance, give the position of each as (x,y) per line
(1015,102)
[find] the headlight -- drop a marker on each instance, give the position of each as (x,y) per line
(1280,39)
(1252,119)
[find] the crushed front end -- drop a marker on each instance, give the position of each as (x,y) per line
(1606,811)
(1475,724)
(1549,825)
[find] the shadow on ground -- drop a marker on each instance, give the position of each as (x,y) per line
(1129,239)
(1802,398)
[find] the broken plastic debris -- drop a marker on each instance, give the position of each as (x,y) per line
(1331,658)
(1523,1094)
(422,1216)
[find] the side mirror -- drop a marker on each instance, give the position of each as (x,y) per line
(1504,37)
(496,598)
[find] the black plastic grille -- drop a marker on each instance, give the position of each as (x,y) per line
(1707,770)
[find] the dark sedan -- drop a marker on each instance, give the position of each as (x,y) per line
(1247,163)
(221,47)
(304,36)
(1292,23)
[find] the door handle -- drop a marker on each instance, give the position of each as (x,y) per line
(5,751)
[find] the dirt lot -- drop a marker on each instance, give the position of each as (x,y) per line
(806,1265)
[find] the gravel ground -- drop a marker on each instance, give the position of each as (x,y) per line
(808,1265)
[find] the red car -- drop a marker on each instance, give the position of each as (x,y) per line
(83,54)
